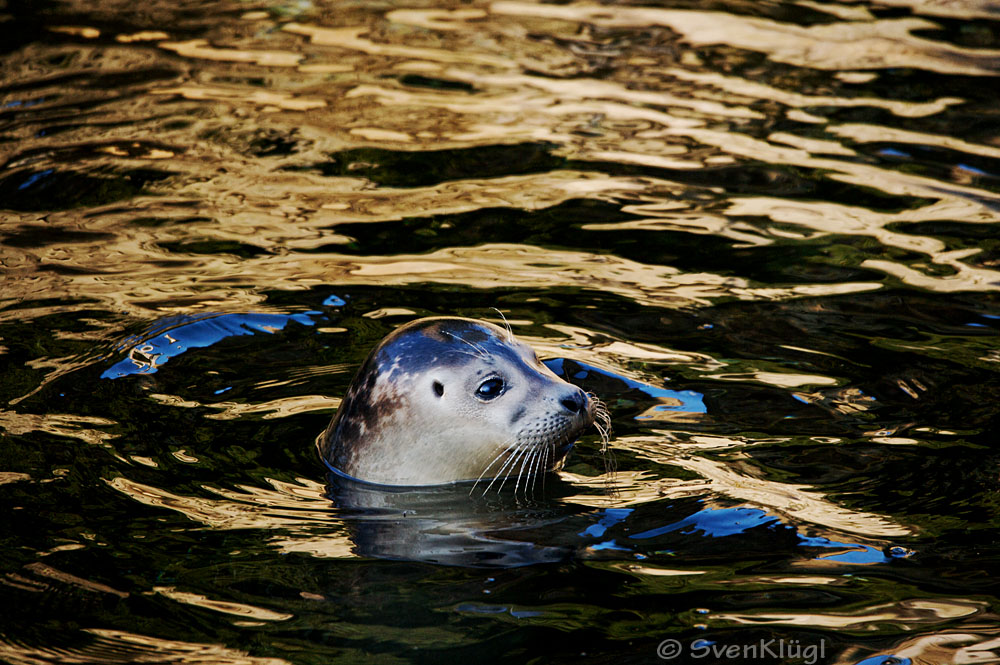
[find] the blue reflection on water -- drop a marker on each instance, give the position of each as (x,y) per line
(892,152)
(35,177)
(715,523)
(857,554)
(334,301)
(721,522)
(22,103)
(973,169)
(690,400)
(174,335)
(611,516)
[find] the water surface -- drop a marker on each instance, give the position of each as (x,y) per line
(765,233)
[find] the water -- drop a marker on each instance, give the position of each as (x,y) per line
(765,234)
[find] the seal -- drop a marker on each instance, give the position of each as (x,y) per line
(448,399)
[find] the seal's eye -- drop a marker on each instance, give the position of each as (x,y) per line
(438,388)
(490,388)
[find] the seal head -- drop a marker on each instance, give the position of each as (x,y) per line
(447,399)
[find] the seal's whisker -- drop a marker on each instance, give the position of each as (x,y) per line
(480,351)
(528,475)
(519,453)
(511,461)
(494,478)
(515,453)
(532,475)
(602,421)
(604,436)
(525,457)
(479,347)
(524,462)
(493,461)
(536,455)
(504,448)
(510,333)
(467,353)
(545,467)
(543,455)
(604,416)
(535,470)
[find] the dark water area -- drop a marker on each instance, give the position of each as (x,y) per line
(766,234)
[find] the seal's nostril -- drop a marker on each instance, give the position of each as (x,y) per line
(572,403)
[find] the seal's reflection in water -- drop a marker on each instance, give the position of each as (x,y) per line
(445,524)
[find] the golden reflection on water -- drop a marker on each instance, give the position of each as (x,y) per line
(299,515)
(287,506)
(646,125)
(199,48)
(58,424)
(350,38)
(270,101)
(868,44)
(785,380)
(949,647)
(752,91)
(223,606)
(725,478)
(277,408)
(907,614)
(116,646)
(42,570)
